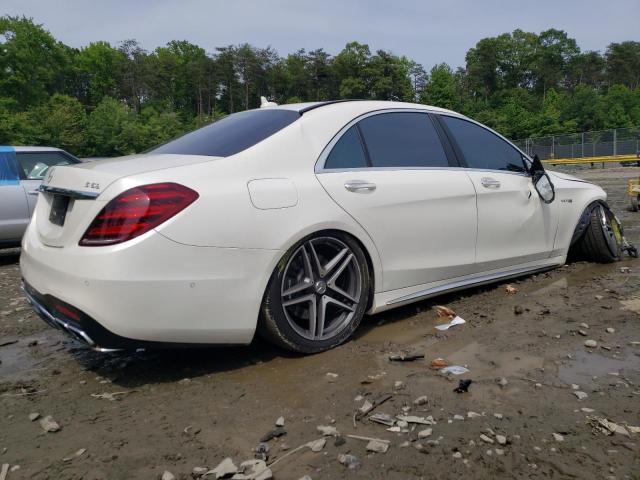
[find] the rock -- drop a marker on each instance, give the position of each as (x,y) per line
(587,410)
(48,424)
(557,437)
(349,461)
(518,310)
(74,455)
(583,333)
(575,386)
(425,433)
(317,445)
(610,330)
(377,446)
(421,400)
(383,419)
(366,407)
(275,433)
(199,471)
(458,417)
(399,385)
(328,431)
(473,415)
(499,416)
(590,343)
(167,475)
(331,375)
(538,385)
(486,439)
(503,382)
(501,439)
(414,419)
(580,395)
(625,270)
(457,455)
(253,470)
(280,422)
(34,416)
(498,451)
(584,325)
(402,424)
(339,441)
(225,468)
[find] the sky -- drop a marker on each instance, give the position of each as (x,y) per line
(426,31)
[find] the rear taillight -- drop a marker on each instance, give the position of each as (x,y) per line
(136,211)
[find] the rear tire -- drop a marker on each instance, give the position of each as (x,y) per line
(602,240)
(317,294)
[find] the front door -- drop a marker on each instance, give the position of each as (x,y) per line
(514,225)
(14,214)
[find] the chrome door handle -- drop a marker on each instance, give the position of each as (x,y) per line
(33,192)
(359,186)
(488,182)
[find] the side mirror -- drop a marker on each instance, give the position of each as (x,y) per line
(544,187)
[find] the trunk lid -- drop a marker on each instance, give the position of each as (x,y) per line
(71,195)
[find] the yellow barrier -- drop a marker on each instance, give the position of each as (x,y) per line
(589,160)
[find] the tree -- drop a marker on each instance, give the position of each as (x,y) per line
(62,121)
(441,89)
(99,68)
(623,63)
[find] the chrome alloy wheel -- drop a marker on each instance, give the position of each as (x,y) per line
(321,288)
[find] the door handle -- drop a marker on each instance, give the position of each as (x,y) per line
(359,186)
(33,192)
(488,182)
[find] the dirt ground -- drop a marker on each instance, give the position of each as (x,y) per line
(176,410)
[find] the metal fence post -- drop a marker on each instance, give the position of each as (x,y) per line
(615,142)
(582,144)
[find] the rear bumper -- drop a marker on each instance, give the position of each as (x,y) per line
(149,292)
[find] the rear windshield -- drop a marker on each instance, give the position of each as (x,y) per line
(232,134)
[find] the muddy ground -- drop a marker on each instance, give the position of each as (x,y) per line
(176,410)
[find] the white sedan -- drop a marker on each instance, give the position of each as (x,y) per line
(295,221)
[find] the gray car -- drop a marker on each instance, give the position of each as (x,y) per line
(21,172)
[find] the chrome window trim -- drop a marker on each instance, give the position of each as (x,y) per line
(320,162)
(322,158)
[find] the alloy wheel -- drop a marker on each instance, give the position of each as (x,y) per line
(321,288)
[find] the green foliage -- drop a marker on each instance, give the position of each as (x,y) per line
(105,100)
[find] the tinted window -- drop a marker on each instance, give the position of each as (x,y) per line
(483,149)
(232,134)
(347,152)
(35,165)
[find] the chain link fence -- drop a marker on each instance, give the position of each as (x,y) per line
(619,141)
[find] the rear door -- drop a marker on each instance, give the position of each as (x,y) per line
(391,173)
(34,166)
(14,214)
(514,225)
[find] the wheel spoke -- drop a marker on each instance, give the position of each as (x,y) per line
(334,261)
(307,263)
(338,303)
(306,283)
(313,316)
(314,255)
(301,299)
(322,311)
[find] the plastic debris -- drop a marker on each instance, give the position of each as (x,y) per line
(454,321)
(454,370)
(413,419)
(377,446)
(74,455)
(405,357)
(382,418)
(605,426)
(349,461)
(328,431)
(510,289)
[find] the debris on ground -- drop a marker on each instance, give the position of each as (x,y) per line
(74,455)
(49,425)
(225,468)
(607,427)
(349,461)
(369,406)
(415,419)
(510,289)
(280,422)
(455,321)
(328,431)
(590,343)
(383,419)
(275,433)
(317,445)
(438,363)
(377,446)
(405,357)
(34,416)
(503,382)
(557,437)
(425,433)
(253,470)
(463,386)
(167,475)
(110,396)
(4,471)
(454,370)
(422,400)
(580,395)
(518,310)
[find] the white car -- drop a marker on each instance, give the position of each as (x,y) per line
(295,221)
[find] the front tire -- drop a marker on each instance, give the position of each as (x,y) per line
(602,240)
(317,295)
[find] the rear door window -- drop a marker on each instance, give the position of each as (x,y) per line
(34,165)
(232,134)
(482,148)
(402,139)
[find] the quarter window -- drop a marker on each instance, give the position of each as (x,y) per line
(402,139)
(481,148)
(347,152)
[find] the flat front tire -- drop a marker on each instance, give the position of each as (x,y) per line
(317,294)
(602,240)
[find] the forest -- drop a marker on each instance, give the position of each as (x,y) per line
(107,100)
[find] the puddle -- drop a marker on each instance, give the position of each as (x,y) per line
(584,366)
(18,360)
(486,363)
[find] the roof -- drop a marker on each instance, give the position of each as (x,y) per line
(371,104)
(22,148)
